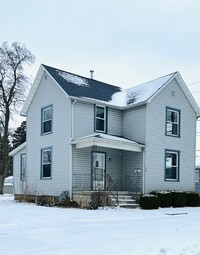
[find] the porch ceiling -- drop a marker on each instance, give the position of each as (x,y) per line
(107,141)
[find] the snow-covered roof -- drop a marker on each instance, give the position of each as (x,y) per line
(108,141)
(90,90)
(19,148)
(140,93)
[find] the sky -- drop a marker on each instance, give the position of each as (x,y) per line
(125,42)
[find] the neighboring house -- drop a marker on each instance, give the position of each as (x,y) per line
(85,135)
(8,185)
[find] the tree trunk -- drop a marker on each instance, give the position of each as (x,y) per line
(5,150)
(1,185)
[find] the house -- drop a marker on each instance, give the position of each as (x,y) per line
(8,185)
(84,135)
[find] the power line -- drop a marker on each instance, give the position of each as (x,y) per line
(190,84)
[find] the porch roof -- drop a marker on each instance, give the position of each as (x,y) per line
(107,141)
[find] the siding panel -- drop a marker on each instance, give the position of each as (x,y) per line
(49,93)
(158,141)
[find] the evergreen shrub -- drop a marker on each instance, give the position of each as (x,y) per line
(179,198)
(193,199)
(149,202)
(165,198)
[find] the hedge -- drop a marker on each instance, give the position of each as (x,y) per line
(149,202)
(157,199)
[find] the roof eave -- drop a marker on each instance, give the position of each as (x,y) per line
(19,148)
(107,143)
(32,91)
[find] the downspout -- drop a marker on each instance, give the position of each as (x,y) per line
(144,168)
(71,149)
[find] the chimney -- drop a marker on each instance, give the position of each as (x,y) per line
(91,74)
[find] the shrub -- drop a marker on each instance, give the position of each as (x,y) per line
(192,199)
(73,204)
(98,199)
(149,202)
(179,199)
(165,198)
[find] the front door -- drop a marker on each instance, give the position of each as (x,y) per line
(98,170)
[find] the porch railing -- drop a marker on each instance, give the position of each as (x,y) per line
(112,188)
(81,181)
(133,183)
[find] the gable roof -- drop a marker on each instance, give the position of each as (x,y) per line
(141,93)
(76,86)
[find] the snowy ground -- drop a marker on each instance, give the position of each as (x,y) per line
(27,229)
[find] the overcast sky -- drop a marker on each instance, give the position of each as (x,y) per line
(126,42)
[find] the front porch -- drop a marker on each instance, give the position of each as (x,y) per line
(111,194)
(106,164)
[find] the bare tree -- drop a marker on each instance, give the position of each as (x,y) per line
(13,84)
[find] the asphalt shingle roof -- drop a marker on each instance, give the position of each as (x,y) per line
(78,86)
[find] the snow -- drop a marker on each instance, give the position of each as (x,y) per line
(108,137)
(140,93)
(30,229)
(79,81)
(8,180)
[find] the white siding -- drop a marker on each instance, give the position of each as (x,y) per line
(134,124)
(82,162)
(158,141)
(84,120)
(114,122)
(49,93)
(19,186)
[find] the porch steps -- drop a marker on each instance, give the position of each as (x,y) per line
(125,200)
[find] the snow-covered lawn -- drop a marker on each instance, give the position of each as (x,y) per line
(27,229)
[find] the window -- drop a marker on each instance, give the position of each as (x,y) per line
(171,165)
(100,119)
(196,175)
(47,120)
(173,122)
(23,167)
(46,159)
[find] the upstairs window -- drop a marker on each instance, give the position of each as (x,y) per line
(23,167)
(172,122)
(171,165)
(46,158)
(47,120)
(100,119)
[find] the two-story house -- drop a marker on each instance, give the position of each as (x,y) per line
(85,135)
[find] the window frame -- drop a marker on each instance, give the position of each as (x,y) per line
(101,119)
(42,164)
(177,166)
(22,167)
(173,123)
(42,119)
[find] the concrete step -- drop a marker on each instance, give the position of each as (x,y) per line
(124,201)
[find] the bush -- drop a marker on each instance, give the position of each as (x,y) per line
(179,199)
(192,199)
(165,198)
(98,199)
(149,202)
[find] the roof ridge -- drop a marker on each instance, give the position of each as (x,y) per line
(83,77)
(171,74)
